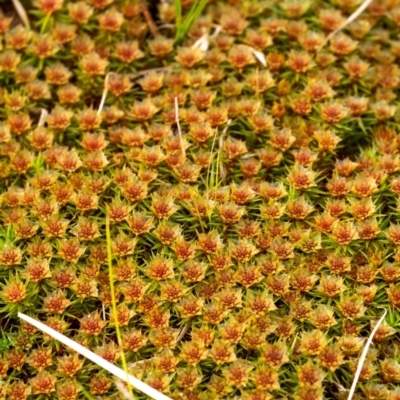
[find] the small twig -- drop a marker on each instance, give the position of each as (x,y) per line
(182,332)
(149,19)
(104,94)
(349,20)
(21,13)
(363,356)
(179,126)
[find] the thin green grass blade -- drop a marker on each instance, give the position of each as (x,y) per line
(178,13)
(86,394)
(191,17)
(114,301)
(194,13)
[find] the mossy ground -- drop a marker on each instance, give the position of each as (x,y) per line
(253,208)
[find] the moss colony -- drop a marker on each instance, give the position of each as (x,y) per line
(253,209)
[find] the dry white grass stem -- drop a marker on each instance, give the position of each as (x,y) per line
(363,356)
(202,43)
(21,13)
(348,21)
(258,55)
(43,115)
(111,368)
(104,94)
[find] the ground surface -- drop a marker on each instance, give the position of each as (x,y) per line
(253,209)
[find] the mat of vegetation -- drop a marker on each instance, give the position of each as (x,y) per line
(244,157)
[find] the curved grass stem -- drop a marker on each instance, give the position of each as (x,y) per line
(114,302)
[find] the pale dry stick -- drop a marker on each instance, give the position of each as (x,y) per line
(104,94)
(21,13)
(111,368)
(178,125)
(218,29)
(104,311)
(43,115)
(202,43)
(363,356)
(349,20)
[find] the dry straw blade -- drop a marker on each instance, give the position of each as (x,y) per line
(21,12)
(43,115)
(348,21)
(259,55)
(113,369)
(104,94)
(202,43)
(363,356)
